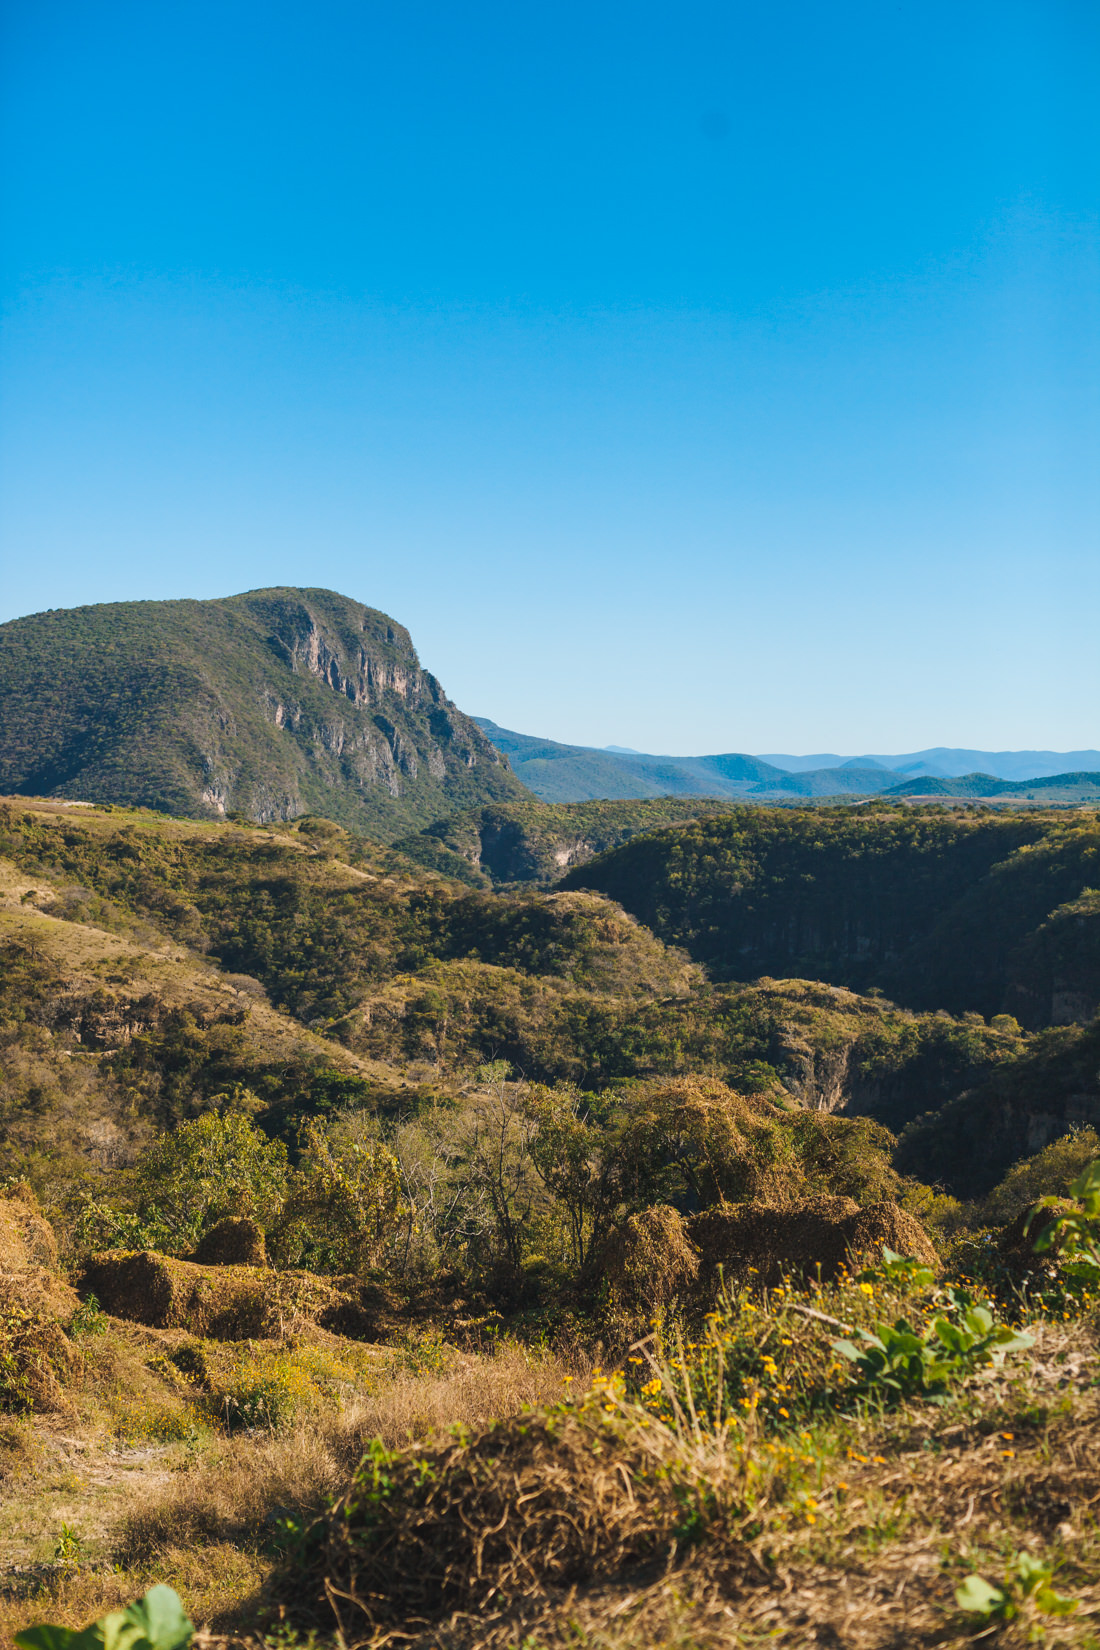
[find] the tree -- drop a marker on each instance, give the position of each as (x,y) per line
(219,1164)
(344,1205)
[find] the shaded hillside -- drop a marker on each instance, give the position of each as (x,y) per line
(933,908)
(969,1142)
(537,841)
(271,704)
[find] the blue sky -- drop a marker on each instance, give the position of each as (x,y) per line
(697,377)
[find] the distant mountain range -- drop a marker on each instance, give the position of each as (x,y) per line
(282,702)
(577,773)
(946,762)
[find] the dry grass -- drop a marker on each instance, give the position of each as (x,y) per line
(856,1544)
(854,1536)
(26,1237)
(815,1236)
(202,1516)
(226,1302)
(232,1493)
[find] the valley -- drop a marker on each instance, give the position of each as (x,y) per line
(447,1217)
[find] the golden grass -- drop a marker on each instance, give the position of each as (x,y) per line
(852,1535)
(202,1514)
(231,1493)
(858,1544)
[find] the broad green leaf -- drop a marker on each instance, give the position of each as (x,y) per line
(1087,1184)
(977,1597)
(45,1638)
(161,1618)
(115,1631)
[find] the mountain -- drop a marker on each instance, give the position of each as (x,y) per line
(578,773)
(947,762)
(270,704)
(1058,787)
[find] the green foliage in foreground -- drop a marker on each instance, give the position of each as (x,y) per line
(157,1621)
(1026,1590)
(898,1360)
(769,1362)
(1074,1235)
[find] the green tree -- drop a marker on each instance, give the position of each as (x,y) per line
(219,1164)
(344,1205)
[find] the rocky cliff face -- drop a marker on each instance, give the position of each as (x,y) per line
(270,704)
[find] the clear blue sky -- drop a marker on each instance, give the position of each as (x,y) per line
(687,376)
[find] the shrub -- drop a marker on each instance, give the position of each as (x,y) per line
(215,1166)
(486,1524)
(344,1205)
(1049,1172)
(1070,1234)
(36,1356)
(651,1260)
(898,1360)
(1025,1591)
(770,1360)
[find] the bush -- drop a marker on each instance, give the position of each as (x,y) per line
(487,1524)
(344,1205)
(1050,1172)
(36,1355)
(215,1166)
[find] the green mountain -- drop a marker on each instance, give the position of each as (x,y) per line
(1051,788)
(574,773)
(270,704)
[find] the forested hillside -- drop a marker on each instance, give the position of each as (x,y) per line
(270,704)
(373,968)
(966,912)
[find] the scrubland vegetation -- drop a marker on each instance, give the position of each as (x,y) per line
(389,1257)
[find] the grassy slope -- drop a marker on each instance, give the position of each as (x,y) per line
(855,1530)
(845,1529)
(110,1031)
(273,703)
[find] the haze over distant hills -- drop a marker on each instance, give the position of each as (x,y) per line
(576,773)
(281,702)
(946,762)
